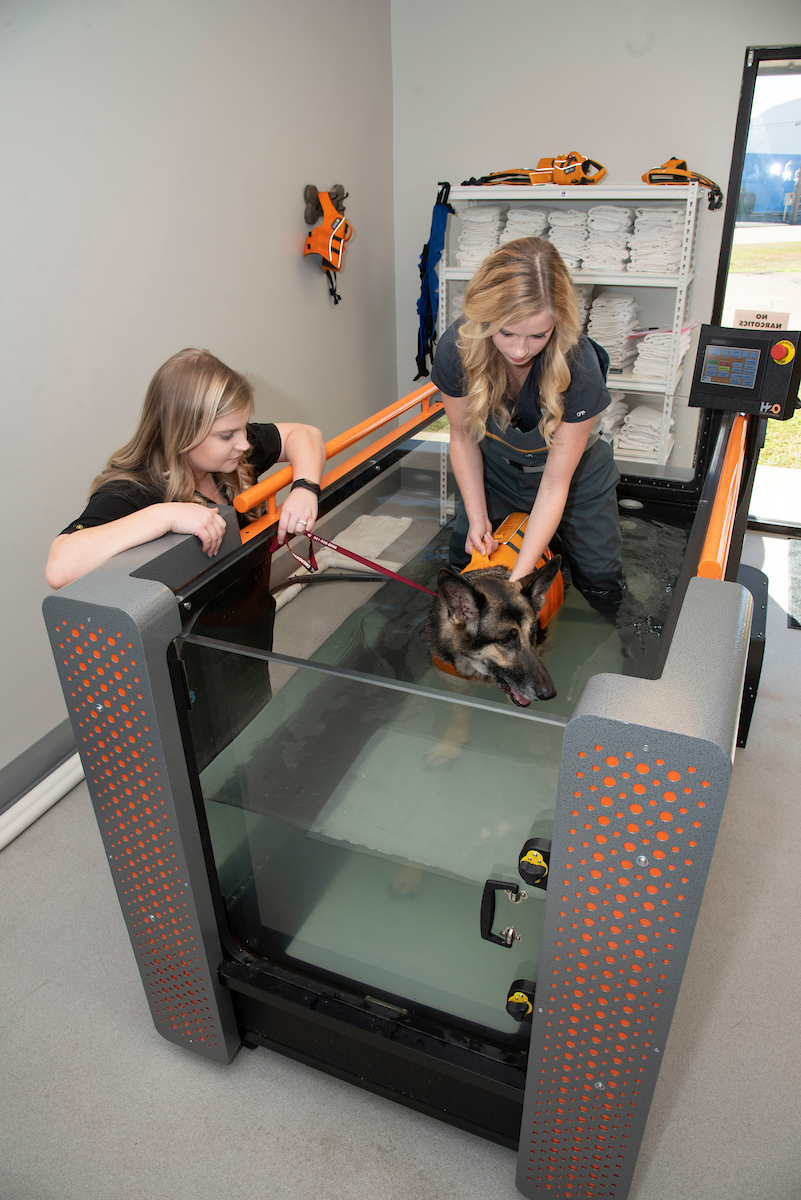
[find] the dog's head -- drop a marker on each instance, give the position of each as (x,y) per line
(486,625)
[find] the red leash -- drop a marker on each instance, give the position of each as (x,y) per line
(311,563)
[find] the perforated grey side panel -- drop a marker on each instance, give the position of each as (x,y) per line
(644,775)
(119,728)
(615,945)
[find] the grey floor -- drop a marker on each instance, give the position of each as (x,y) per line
(96,1106)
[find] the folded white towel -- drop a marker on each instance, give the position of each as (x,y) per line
(527,216)
(567,218)
(612,317)
(611,210)
(644,417)
(480,215)
(658,216)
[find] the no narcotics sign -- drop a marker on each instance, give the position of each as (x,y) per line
(743,319)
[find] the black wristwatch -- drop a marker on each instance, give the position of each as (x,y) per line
(307,483)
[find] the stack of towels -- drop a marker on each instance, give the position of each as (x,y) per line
(639,436)
(479,237)
(568,233)
(584,298)
(656,242)
(611,419)
(524,222)
(653,352)
(457,306)
(608,230)
(612,318)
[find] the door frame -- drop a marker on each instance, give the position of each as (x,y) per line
(754,57)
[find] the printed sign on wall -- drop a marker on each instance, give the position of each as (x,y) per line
(743,319)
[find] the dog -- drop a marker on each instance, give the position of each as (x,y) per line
(482,625)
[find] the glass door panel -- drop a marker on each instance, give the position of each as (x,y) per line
(761,261)
(357,798)
(354,827)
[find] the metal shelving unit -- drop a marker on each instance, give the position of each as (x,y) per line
(674,287)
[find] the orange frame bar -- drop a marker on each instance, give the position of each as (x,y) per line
(267,489)
(715,552)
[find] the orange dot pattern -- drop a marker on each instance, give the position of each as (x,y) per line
(107,690)
(610,971)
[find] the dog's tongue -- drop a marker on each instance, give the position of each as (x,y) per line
(514,696)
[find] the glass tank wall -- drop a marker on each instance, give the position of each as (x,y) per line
(358,798)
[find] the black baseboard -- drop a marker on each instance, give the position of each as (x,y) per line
(35,764)
(774,527)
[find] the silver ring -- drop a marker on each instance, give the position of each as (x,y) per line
(301,522)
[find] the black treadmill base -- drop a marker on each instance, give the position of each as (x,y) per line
(458,1085)
(510,1140)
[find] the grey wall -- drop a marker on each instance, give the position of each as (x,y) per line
(481,86)
(153,160)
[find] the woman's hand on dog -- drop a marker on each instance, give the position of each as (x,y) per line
(479,537)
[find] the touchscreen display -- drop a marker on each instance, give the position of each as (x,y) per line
(734,366)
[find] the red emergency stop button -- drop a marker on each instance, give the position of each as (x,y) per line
(782,352)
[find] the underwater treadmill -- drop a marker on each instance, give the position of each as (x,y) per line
(315,835)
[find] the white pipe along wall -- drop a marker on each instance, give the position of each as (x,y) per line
(16,819)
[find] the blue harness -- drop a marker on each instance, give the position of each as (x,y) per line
(428,304)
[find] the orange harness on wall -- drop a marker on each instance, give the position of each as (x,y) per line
(510,536)
(328,240)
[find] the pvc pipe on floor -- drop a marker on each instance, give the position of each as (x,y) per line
(37,801)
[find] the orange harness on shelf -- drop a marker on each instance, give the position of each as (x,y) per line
(510,534)
(562,169)
(328,240)
(675,170)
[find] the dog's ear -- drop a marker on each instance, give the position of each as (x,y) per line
(535,586)
(463,603)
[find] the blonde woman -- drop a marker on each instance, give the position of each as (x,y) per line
(522,388)
(194,449)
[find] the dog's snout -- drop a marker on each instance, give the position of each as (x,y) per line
(546,693)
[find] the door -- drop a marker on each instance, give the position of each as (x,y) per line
(759,279)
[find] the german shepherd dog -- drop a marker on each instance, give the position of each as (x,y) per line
(483,625)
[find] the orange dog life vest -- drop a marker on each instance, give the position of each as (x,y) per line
(675,170)
(510,536)
(563,168)
(328,240)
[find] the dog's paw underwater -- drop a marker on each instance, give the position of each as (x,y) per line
(483,625)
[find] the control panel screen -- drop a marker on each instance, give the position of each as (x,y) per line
(733,366)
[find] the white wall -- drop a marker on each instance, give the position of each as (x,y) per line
(483,86)
(154,157)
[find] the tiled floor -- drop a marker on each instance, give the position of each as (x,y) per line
(96,1106)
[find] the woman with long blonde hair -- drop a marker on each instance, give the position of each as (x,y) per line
(522,387)
(194,449)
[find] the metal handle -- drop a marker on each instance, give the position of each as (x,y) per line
(508,936)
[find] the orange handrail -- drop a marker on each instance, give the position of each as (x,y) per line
(715,551)
(267,489)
